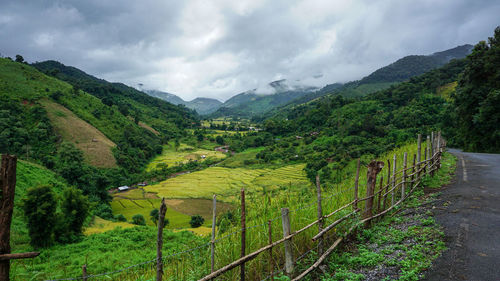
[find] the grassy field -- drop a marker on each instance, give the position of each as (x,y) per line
(226,182)
(96,147)
(184,154)
(100,225)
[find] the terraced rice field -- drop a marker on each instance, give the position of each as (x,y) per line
(100,225)
(226,182)
(184,154)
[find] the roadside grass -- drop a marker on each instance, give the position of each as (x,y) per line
(184,154)
(400,246)
(96,147)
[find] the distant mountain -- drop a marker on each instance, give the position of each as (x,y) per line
(202,105)
(410,66)
(171,98)
(381,79)
(258,101)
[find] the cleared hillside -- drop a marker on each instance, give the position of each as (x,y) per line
(96,147)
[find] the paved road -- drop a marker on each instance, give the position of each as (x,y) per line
(469,211)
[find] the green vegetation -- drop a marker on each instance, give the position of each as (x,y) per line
(40,211)
(476,101)
(196,221)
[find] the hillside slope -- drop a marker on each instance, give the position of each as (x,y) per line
(96,147)
(163,116)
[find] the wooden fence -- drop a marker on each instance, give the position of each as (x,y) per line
(398,187)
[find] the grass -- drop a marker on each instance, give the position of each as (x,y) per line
(226,182)
(184,154)
(100,225)
(96,147)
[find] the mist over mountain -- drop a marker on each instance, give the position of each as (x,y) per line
(202,105)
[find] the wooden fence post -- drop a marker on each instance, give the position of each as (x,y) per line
(371,177)
(432,144)
(439,149)
(84,272)
(413,169)
(159,242)
(271,267)
(388,182)
(8,186)
(403,184)
(356,183)
(285,220)
(427,154)
(394,167)
(320,215)
(212,244)
(419,153)
(381,186)
(243,233)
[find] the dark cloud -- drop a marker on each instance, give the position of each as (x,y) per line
(219,48)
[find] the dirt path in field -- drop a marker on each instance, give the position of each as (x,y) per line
(469,211)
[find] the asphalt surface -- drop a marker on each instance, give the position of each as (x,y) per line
(469,211)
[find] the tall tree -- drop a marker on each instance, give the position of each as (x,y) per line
(39,209)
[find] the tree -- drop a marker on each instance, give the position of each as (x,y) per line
(154,214)
(39,208)
(196,221)
(199,137)
(19,58)
(138,219)
(219,140)
(75,208)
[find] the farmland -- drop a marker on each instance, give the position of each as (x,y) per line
(226,182)
(185,153)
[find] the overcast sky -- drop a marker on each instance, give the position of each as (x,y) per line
(221,48)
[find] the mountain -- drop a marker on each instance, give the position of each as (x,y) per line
(259,101)
(171,98)
(202,106)
(382,78)
(414,65)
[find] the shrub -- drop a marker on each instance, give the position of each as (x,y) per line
(39,208)
(138,219)
(121,217)
(196,221)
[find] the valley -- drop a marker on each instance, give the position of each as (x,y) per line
(96,159)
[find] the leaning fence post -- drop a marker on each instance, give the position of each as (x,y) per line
(285,220)
(371,177)
(393,193)
(270,233)
(84,272)
(212,243)
(159,242)
(243,233)
(320,215)
(403,183)
(356,183)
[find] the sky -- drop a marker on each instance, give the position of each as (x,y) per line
(219,48)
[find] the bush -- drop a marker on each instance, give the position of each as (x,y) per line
(138,219)
(39,208)
(120,217)
(196,221)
